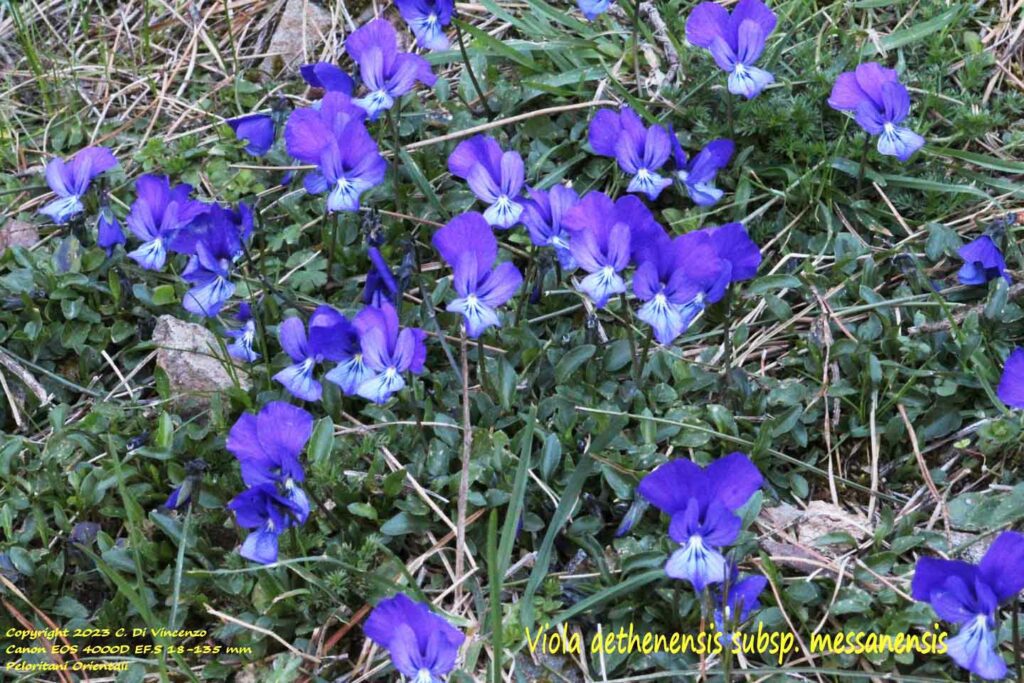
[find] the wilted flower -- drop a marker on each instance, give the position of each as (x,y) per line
(189,487)
(423,645)
(108,230)
(495,177)
(736,599)
(256,130)
(735,40)
(157,216)
(698,174)
(70,181)
(335,139)
(702,504)
(1011,384)
(214,241)
(388,351)
(268,446)
(599,239)
(244,337)
(968,595)
(633,514)
(380,281)
(327,76)
(268,513)
(427,19)
(982,262)
(468,245)
(386,72)
(331,337)
(542,215)
(879,103)
(640,150)
(593,8)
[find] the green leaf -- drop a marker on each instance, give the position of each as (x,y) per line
(321,443)
(911,34)
(364,510)
(572,361)
(570,495)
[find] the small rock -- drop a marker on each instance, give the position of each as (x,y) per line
(191,357)
(15,233)
(302,27)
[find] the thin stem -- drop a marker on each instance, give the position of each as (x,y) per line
(863,162)
(396,160)
(729,115)
(467,449)
(180,565)
(481,363)
(646,350)
(469,69)
(627,314)
(530,274)
(636,47)
(1017,654)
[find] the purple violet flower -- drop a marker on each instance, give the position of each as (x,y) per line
(427,19)
(495,177)
(256,130)
(702,504)
(735,40)
(387,73)
(1011,384)
(244,337)
(267,446)
(698,174)
(388,351)
(423,645)
(983,262)
(640,151)
(599,239)
(335,139)
(331,337)
(70,181)
(879,103)
(268,513)
(969,595)
(542,215)
(214,240)
(351,371)
(672,281)
(327,76)
(468,245)
(108,230)
(592,9)
(158,215)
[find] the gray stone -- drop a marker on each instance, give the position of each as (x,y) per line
(191,357)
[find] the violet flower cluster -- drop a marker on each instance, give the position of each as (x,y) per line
(267,446)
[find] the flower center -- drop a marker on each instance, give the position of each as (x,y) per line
(423,676)
(889,129)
